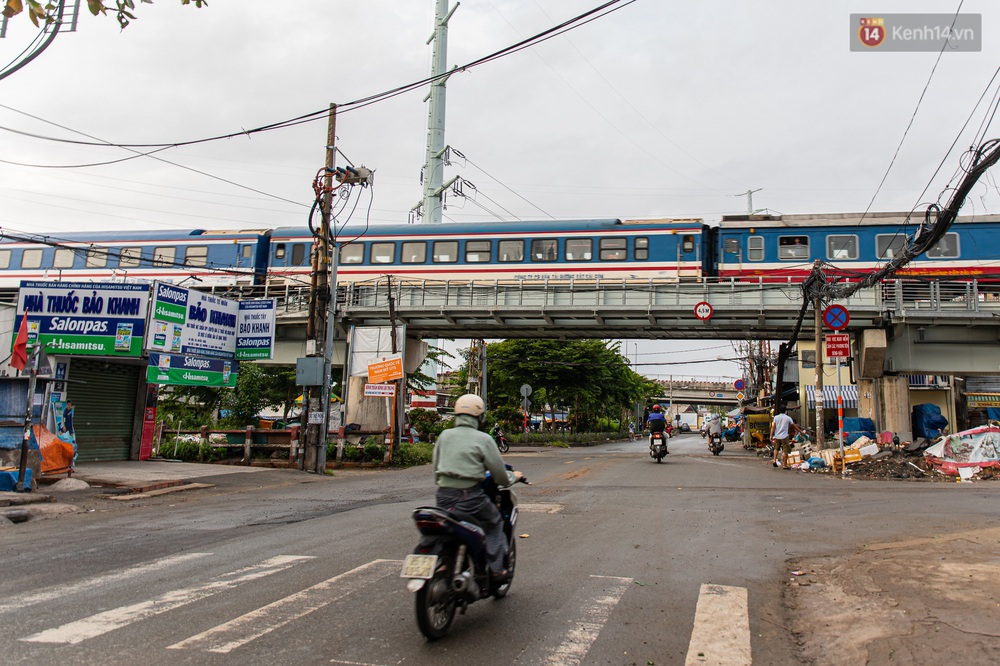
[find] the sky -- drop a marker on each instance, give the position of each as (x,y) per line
(659,109)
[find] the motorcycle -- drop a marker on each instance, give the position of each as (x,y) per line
(715,444)
(500,439)
(731,434)
(657,445)
(448,568)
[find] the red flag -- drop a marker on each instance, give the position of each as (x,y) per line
(19,357)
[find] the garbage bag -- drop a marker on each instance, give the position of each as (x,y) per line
(927,421)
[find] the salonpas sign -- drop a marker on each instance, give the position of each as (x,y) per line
(192,323)
(85,318)
(255,329)
(180,370)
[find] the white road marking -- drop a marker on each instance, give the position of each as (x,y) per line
(62,591)
(721,634)
(593,615)
(240,631)
(101,623)
(543,507)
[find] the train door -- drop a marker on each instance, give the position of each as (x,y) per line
(688,259)
(730,260)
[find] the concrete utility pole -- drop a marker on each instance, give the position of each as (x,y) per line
(319,328)
(820,434)
(431,206)
(749,195)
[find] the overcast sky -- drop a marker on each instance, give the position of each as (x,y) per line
(661,109)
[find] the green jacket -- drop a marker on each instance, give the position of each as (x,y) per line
(463,454)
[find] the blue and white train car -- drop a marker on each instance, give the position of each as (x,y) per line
(208,257)
(576,249)
(783,247)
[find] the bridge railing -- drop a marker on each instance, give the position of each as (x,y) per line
(904,296)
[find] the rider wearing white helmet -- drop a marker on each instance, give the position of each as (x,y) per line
(462,456)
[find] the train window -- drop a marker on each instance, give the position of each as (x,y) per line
(63,258)
(641,249)
(353,253)
(579,249)
(510,250)
(162,256)
(732,245)
(841,247)
(97,258)
(247,251)
(130,257)
(946,248)
(383,253)
(755,247)
(687,244)
(445,252)
(279,251)
(196,255)
(31,259)
(414,252)
(478,252)
(613,249)
(298,254)
(791,248)
(544,250)
(888,246)
(4,258)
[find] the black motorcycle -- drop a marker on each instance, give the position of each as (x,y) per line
(448,569)
(657,445)
(500,439)
(715,444)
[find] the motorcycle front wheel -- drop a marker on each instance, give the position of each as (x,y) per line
(503,445)
(436,603)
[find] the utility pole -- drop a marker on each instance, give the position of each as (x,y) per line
(431,206)
(818,326)
(749,195)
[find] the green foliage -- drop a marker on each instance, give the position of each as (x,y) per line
(49,13)
(416,381)
(188,451)
(427,422)
(410,455)
(374,451)
(369,449)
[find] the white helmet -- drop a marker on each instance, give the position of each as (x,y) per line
(470,404)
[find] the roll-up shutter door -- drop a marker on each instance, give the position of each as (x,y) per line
(104,408)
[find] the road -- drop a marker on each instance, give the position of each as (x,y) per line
(623,561)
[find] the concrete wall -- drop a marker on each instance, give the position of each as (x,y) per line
(895,396)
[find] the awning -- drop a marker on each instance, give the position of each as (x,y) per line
(849,391)
(981,400)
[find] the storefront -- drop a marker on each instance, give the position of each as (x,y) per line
(104,395)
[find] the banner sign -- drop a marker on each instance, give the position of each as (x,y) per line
(190,322)
(255,328)
(180,370)
(85,318)
(380,390)
(385,369)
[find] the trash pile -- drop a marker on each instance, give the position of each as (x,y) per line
(964,456)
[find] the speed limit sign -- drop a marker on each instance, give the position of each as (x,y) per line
(703,311)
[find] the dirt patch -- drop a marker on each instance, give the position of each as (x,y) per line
(921,601)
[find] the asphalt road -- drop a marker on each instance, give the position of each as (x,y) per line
(623,561)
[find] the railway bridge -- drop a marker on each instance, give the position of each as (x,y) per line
(935,327)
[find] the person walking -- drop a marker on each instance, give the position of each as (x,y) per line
(782,430)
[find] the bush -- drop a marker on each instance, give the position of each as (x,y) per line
(188,451)
(411,455)
(373,450)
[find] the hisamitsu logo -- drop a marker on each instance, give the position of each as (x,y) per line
(917,32)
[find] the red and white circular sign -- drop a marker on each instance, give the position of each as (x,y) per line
(703,311)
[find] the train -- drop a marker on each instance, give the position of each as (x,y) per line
(767,248)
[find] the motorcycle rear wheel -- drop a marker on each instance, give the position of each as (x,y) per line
(435,603)
(501,591)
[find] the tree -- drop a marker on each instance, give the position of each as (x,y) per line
(48,13)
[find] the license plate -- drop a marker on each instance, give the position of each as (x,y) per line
(419,566)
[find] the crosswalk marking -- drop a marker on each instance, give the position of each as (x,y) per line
(101,623)
(240,631)
(19,602)
(593,615)
(721,634)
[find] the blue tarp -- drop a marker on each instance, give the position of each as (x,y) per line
(993,413)
(927,421)
(855,427)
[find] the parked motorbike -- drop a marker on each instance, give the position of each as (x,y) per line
(500,439)
(731,434)
(448,568)
(715,444)
(657,446)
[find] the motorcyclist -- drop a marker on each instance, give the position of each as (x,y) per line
(715,426)
(657,423)
(631,430)
(462,456)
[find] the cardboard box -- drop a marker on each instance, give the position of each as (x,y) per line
(794,458)
(869,450)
